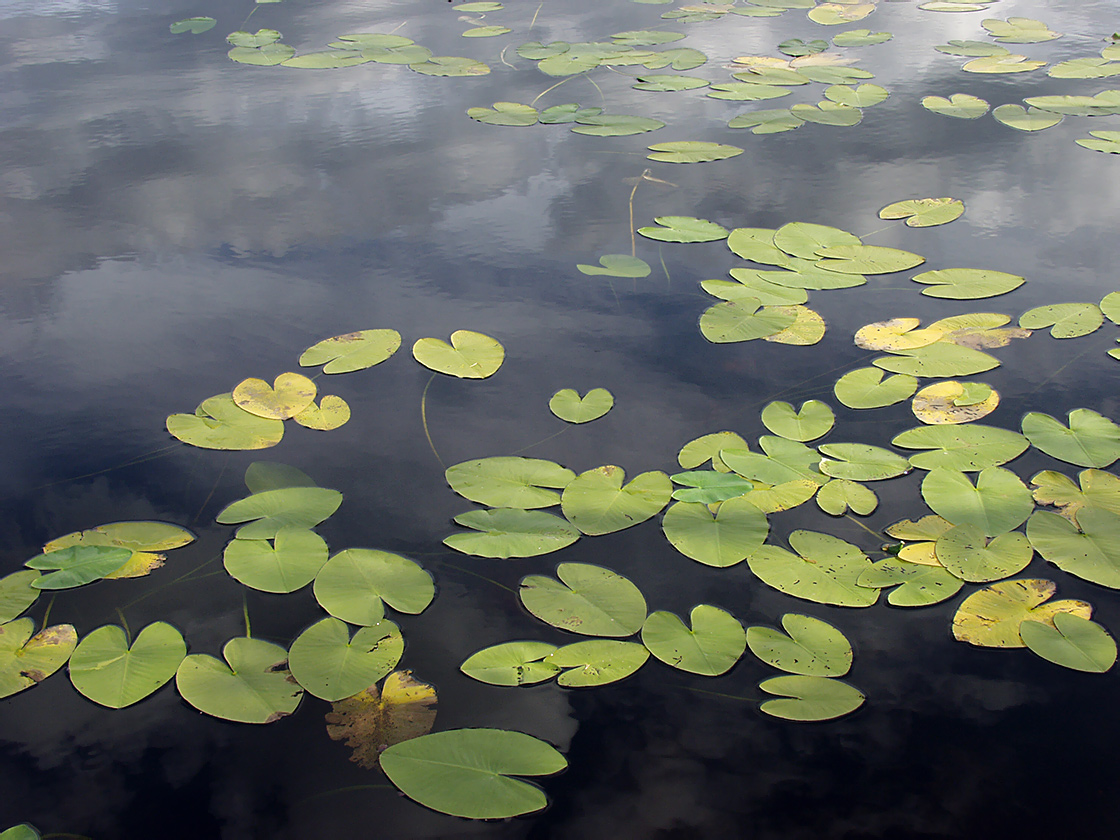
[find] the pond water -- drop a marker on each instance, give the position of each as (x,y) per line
(175,222)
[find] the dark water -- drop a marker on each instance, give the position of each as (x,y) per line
(172,222)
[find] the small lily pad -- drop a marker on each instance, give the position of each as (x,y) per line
(1010,63)
(813,420)
(17,593)
(290,394)
(470,355)
(505,533)
(585,599)
(962,106)
(1072,642)
(684,229)
(109,671)
(841,495)
(331,665)
(615,125)
(809,647)
(709,487)
(512,663)
(827,112)
(617,265)
(510,481)
(569,406)
(860,38)
(194,25)
(965,552)
(692,151)
(773,121)
(352,351)
(924,212)
(710,647)
(1026,119)
(251,686)
(331,413)
(810,698)
(505,113)
(25,659)
(597,662)
(867,388)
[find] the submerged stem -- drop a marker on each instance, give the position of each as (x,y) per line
(549,89)
(537,12)
(424,420)
(245,612)
(47,613)
(124,624)
(477,575)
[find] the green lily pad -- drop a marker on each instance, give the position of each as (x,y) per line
(746,92)
(861,96)
(939,360)
(1010,63)
(646,37)
(23,831)
(1102,141)
(916,585)
(684,229)
(663,82)
(597,662)
(1084,68)
(679,58)
(353,583)
(785,460)
(827,112)
(841,495)
(992,616)
(252,40)
(289,564)
(749,284)
(485,31)
(867,259)
(409,53)
(617,265)
(194,25)
(570,407)
(735,532)
(1072,642)
(861,462)
(813,420)
(478,6)
(1110,306)
(965,552)
(692,151)
(331,413)
(797,47)
(26,659)
(268,55)
(505,533)
(710,647)
(331,666)
(809,647)
(824,570)
(860,38)
(706,448)
(999,502)
(107,670)
(588,600)
(833,74)
(77,565)
(810,698)
(1098,489)
(1089,549)
(1019,30)
(1067,320)
(773,121)
(449,65)
(352,351)
(266,513)
(709,487)
(867,388)
(1026,119)
(505,113)
(924,212)
(962,106)
(510,482)
(17,593)
(804,240)
(218,423)
(470,355)
(743,320)
(536,51)
(971,49)
(615,125)
(326,60)
(967,283)
(966,448)
(468,772)
(512,663)
(251,686)
(597,502)
(1090,440)
(1104,103)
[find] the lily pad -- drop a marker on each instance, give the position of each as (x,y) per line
(962,106)
(140,535)
(709,487)
(330,665)
(510,482)
(813,420)
(992,616)
(372,720)
(218,423)
(26,659)
(827,112)
(867,259)
(1072,642)
(710,647)
(743,320)
(861,96)
(1098,489)
(999,502)
(352,351)
(1104,103)
(268,475)
(706,448)
(77,565)
(809,647)
(1110,306)
(326,59)
(861,462)
(17,593)
(1026,119)
(288,396)
(860,38)
(841,495)
(915,585)
(512,663)
(924,212)
(569,406)
(692,151)
(735,532)
(352,585)
(810,698)
(972,49)
(967,283)
(588,600)
(597,502)
(449,65)
(1066,320)
(251,686)
(268,55)
(896,335)
(331,413)
(1010,63)
(266,513)
(485,31)
(617,265)
(937,404)
(1089,549)
(966,448)
(1090,440)
(684,229)
(1019,30)
(746,92)
(939,360)
(646,37)
(109,671)
(867,388)
(824,570)
(252,40)
(801,239)
(965,552)
(290,564)
(1084,68)
(470,355)
(469,772)
(833,14)
(505,533)
(505,113)
(774,121)
(750,284)
(597,662)
(615,125)
(663,82)
(194,25)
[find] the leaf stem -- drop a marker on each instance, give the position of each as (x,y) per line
(718,694)
(213,489)
(477,575)
(550,89)
(47,613)
(245,612)
(533,22)
(424,420)
(124,624)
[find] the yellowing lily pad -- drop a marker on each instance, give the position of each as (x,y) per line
(26,659)
(962,106)
(352,351)
(330,413)
(952,402)
(470,355)
(924,212)
(991,617)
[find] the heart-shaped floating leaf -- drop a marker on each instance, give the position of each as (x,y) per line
(135,535)
(266,513)
(965,552)
(1089,549)
(692,151)
(1010,63)
(17,593)
(23,831)
(1066,320)
(330,413)
(510,482)
(684,229)
(597,662)
(450,65)
(512,663)
(991,617)
(251,686)
(963,106)
(597,502)
(809,647)
(218,423)
(1084,68)
(706,448)
(921,585)
(371,720)
(615,125)
(569,406)
(1032,119)
(785,460)
(709,487)
(485,31)
(505,533)
(1103,141)
(924,212)
(261,38)
(330,665)
(861,96)
(353,584)
(468,772)
(797,47)
(1110,306)
(1102,104)
(710,647)
(470,355)
(861,462)
(669,82)
(926,528)
(731,535)
(26,659)
(773,121)
(352,351)
(810,698)
(617,265)
(107,670)
(967,283)
(588,600)
(813,420)
(867,259)
(751,284)
(1090,440)
(965,448)
(646,37)
(326,59)
(827,112)
(77,565)
(999,502)
(1072,642)
(973,49)
(194,25)
(746,92)
(1098,489)
(744,320)
(824,570)
(833,14)
(801,239)
(938,360)
(950,403)
(268,55)
(290,564)
(866,388)
(1019,30)
(860,38)
(841,495)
